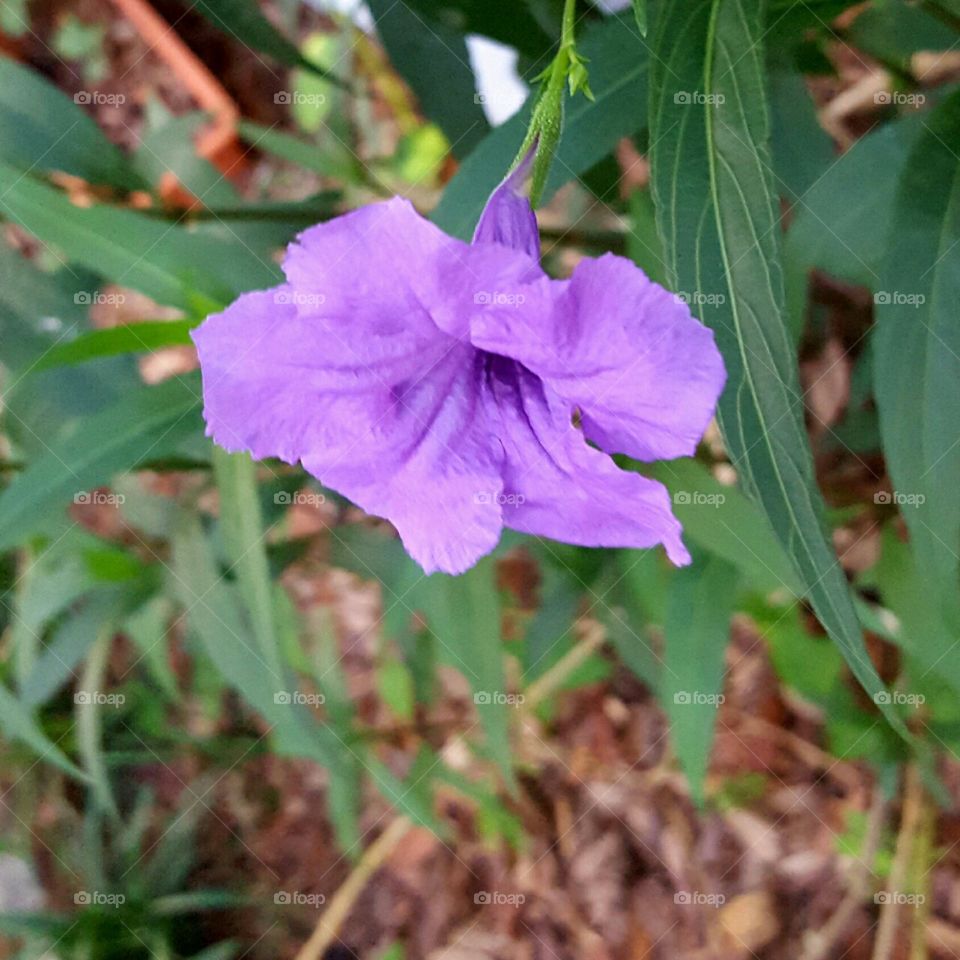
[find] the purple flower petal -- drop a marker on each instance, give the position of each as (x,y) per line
(443,492)
(346,370)
(387,270)
(508,218)
(555,485)
(433,382)
(643,372)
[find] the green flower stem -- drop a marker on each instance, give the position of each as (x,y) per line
(546,123)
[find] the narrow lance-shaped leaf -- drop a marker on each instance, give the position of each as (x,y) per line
(42,129)
(113,341)
(718,219)
(17,723)
(163,260)
(696,633)
(150,423)
(917,349)
(244,539)
(640,15)
(464,614)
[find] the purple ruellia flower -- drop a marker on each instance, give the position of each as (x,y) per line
(455,389)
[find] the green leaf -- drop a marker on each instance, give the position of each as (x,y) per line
(89,721)
(411,797)
(244,545)
(243,21)
(696,634)
(634,603)
(891,31)
(809,664)
(395,687)
(49,582)
(42,129)
(721,519)
(511,23)
(147,629)
(149,424)
(917,350)
(168,145)
(37,310)
(213,608)
(843,220)
(226,950)
(464,616)
(643,242)
(434,61)
(112,341)
(640,15)
(802,150)
(591,129)
(549,633)
(923,635)
(67,647)
(718,218)
(17,723)
(326,160)
(788,21)
(163,260)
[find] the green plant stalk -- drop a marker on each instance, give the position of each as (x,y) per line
(244,539)
(88,721)
(942,13)
(546,123)
(26,642)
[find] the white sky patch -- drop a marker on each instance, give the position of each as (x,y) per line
(499,85)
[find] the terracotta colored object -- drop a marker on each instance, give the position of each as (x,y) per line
(218,143)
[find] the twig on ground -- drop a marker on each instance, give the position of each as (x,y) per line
(820,943)
(911,816)
(342,902)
